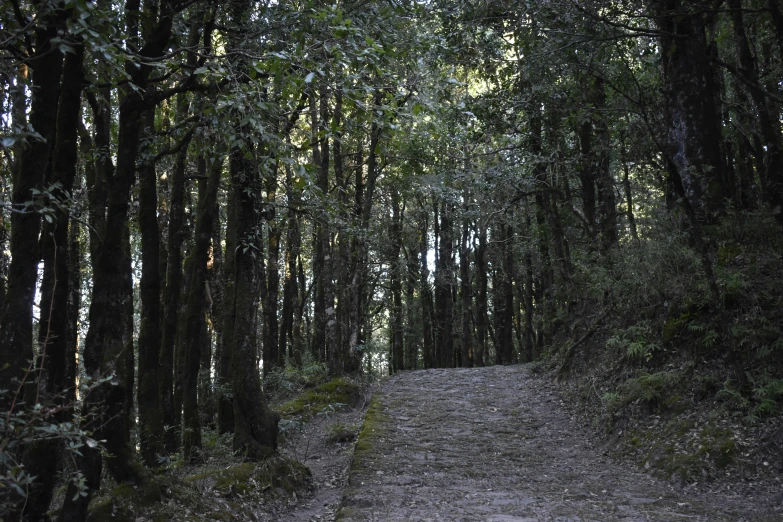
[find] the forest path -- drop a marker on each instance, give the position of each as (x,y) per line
(494,444)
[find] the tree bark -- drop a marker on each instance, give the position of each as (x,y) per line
(16,316)
(195,310)
(425,293)
(272,356)
(444,287)
(290,288)
(607,202)
(693,134)
(172,296)
(412,333)
(105,353)
(769,124)
(321,272)
(225,357)
(396,321)
(255,425)
(466,295)
(629,211)
(52,368)
(148,392)
(481,295)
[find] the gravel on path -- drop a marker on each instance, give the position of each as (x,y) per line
(493,444)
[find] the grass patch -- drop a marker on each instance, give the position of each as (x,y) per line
(337,433)
(277,475)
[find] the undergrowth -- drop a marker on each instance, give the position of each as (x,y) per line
(219,484)
(665,350)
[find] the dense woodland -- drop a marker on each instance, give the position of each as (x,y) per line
(199,194)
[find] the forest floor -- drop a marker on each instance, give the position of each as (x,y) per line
(498,444)
(486,444)
(325,445)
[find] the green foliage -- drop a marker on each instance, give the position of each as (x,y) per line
(635,341)
(612,401)
(27,427)
(767,392)
(289,381)
(732,397)
(706,335)
(650,387)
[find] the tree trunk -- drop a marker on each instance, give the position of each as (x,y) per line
(342,267)
(693,136)
(529,334)
(215,300)
(75,263)
(504,296)
(301,324)
(363,197)
(425,293)
(148,393)
(51,373)
(255,425)
(629,212)
(412,335)
(273,358)
(481,295)
(444,286)
(195,309)
(607,202)
(16,316)
(290,290)
(777,20)
(321,272)
(466,296)
(396,320)
(225,358)
(105,353)
(769,124)
(587,176)
(127,359)
(172,296)
(96,175)
(545,201)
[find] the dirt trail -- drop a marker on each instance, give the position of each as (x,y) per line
(490,445)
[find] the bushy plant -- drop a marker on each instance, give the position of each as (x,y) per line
(636,341)
(649,388)
(24,426)
(281,383)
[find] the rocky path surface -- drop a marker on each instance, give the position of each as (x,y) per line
(490,444)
